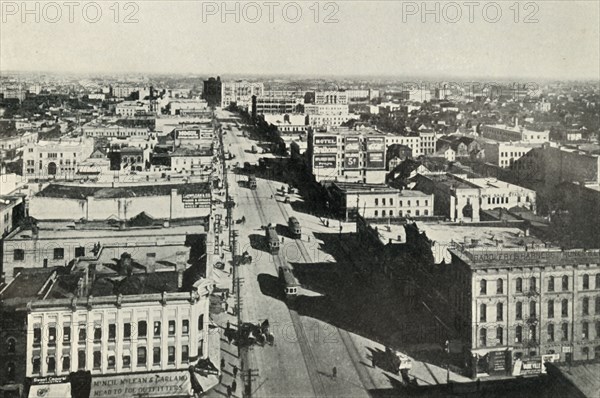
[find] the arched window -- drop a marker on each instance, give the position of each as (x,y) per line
(597,309)
(518,310)
(532,309)
(519,334)
(550,308)
(532,333)
(565,331)
(586,282)
(532,284)
(597,281)
(10,371)
(500,335)
(585,331)
(565,283)
(585,306)
(550,332)
(564,308)
(519,285)
(483,286)
(551,284)
(483,337)
(499,311)
(499,286)
(482,312)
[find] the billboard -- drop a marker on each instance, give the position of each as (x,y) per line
(325,140)
(351,162)
(352,144)
(325,161)
(376,144)
(188,134)
(375,160)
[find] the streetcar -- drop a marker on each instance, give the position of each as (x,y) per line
(252,182)
(272,239)
(287,278)
(294,228)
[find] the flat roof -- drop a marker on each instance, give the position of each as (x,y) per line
(28,283)
(396,233)
(350,187)
(132,191)
(584,376)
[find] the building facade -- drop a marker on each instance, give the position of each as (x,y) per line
(240,92)
(55,159)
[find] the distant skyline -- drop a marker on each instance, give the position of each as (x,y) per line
(371,40)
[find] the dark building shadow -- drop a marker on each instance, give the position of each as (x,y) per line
(257,242)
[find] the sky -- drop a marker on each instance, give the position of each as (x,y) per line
(501,39)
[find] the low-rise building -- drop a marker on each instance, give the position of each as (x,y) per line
(55,159)
(132,108)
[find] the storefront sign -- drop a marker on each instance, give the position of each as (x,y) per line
(149,385)
(531,367)
(188,134)
(375,160)
(497,361)
(49,380)
(325,162)
(326,140)
(532,255)
(195,200)
(351,162)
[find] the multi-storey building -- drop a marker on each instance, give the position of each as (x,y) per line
(505,154)
(331,97)
(514,134)
(55,159)
(411,141)
(212,91)
(330,114)
(97,130)
(343,154)
(18,141)
(271,104)
(240,92)
(132,108)
(428,140)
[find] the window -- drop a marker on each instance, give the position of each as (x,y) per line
(532,284)
(383,213)
(597,310)
(500,335)
(483,337)
(112,362)
(376,201)
(519,334)
(201,322)
(97,333)
(80,251)
(82,333)
(52,335)
(586,282)
(499,286)
(565,283)
(126,361)
(565,331)
(519,285)
(391,201)
(391,213)
(550,308)
(518,310)
(156,328)
(482,313)
(171,328)
(185,353)
(127,331)
(141,356)
(383,201)
(185,326)
(81,359)
(532,333)
(597,330)
(171,357)
(564,308)
(112,332)
(97,359)
(59,253)
(551,284)
(11,344)
(19,255)
(37,336)
(10,371)
(67,334)
(376,213)
(36,365)
(51,364)
(483,286)
(156,356)
(585,330)
(585,306)
(66,364)
(597,281)
(532,309)
(499,311)
(142,329)
(550,332)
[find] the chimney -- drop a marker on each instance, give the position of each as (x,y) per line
(180,267)
(150,263)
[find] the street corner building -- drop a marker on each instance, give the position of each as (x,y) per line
(118,321)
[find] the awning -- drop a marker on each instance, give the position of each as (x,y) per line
(50,390)
(206,382)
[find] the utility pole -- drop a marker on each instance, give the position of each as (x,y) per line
(249,376)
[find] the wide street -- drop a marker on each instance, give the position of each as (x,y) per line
(306,348)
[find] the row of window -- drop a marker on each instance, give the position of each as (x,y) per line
(564,309)
(58,253)
(54,155)
(400,213)
(391,201)
(141,359)
(142,331)
(585,284)
(532,333)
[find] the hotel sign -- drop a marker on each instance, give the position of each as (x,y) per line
(330,140)
(532,256)
(149,385)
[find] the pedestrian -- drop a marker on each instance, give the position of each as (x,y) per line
(220,377)
(309,238)
(235,370)
(233,385)
(229,338)
(334,372)
(228,325)
(222,363)
(327,223)
(228,391)
(226,306)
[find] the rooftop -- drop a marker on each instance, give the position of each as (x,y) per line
(185,151)
(100,192)
(583,376)
(28,283)
(350,187)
